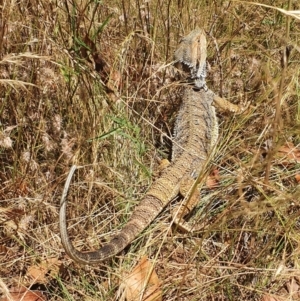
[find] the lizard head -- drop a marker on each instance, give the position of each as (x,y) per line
(191,54)
(191,48)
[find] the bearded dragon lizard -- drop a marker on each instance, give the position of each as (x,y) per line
(196,132)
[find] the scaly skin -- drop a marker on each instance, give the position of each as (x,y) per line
(192,53)
(195,121)
(196,132)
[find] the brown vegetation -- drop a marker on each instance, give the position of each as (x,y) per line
(88,83)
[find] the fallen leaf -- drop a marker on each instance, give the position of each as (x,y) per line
(142,284)
(114,81)
(24,295)
(5,140)
(16,220)
(40,273)
(289,152)
(269,298)
(12,213)
(213,179)
(297,177)
(3,250)
(293,288)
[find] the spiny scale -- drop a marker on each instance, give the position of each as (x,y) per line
(195,133)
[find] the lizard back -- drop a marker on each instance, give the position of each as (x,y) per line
(195,133)
(192,144)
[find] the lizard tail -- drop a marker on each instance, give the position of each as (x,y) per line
(137,223)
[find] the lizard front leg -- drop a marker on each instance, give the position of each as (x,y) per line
(227,106)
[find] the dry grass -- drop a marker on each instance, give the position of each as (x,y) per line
(57,109)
